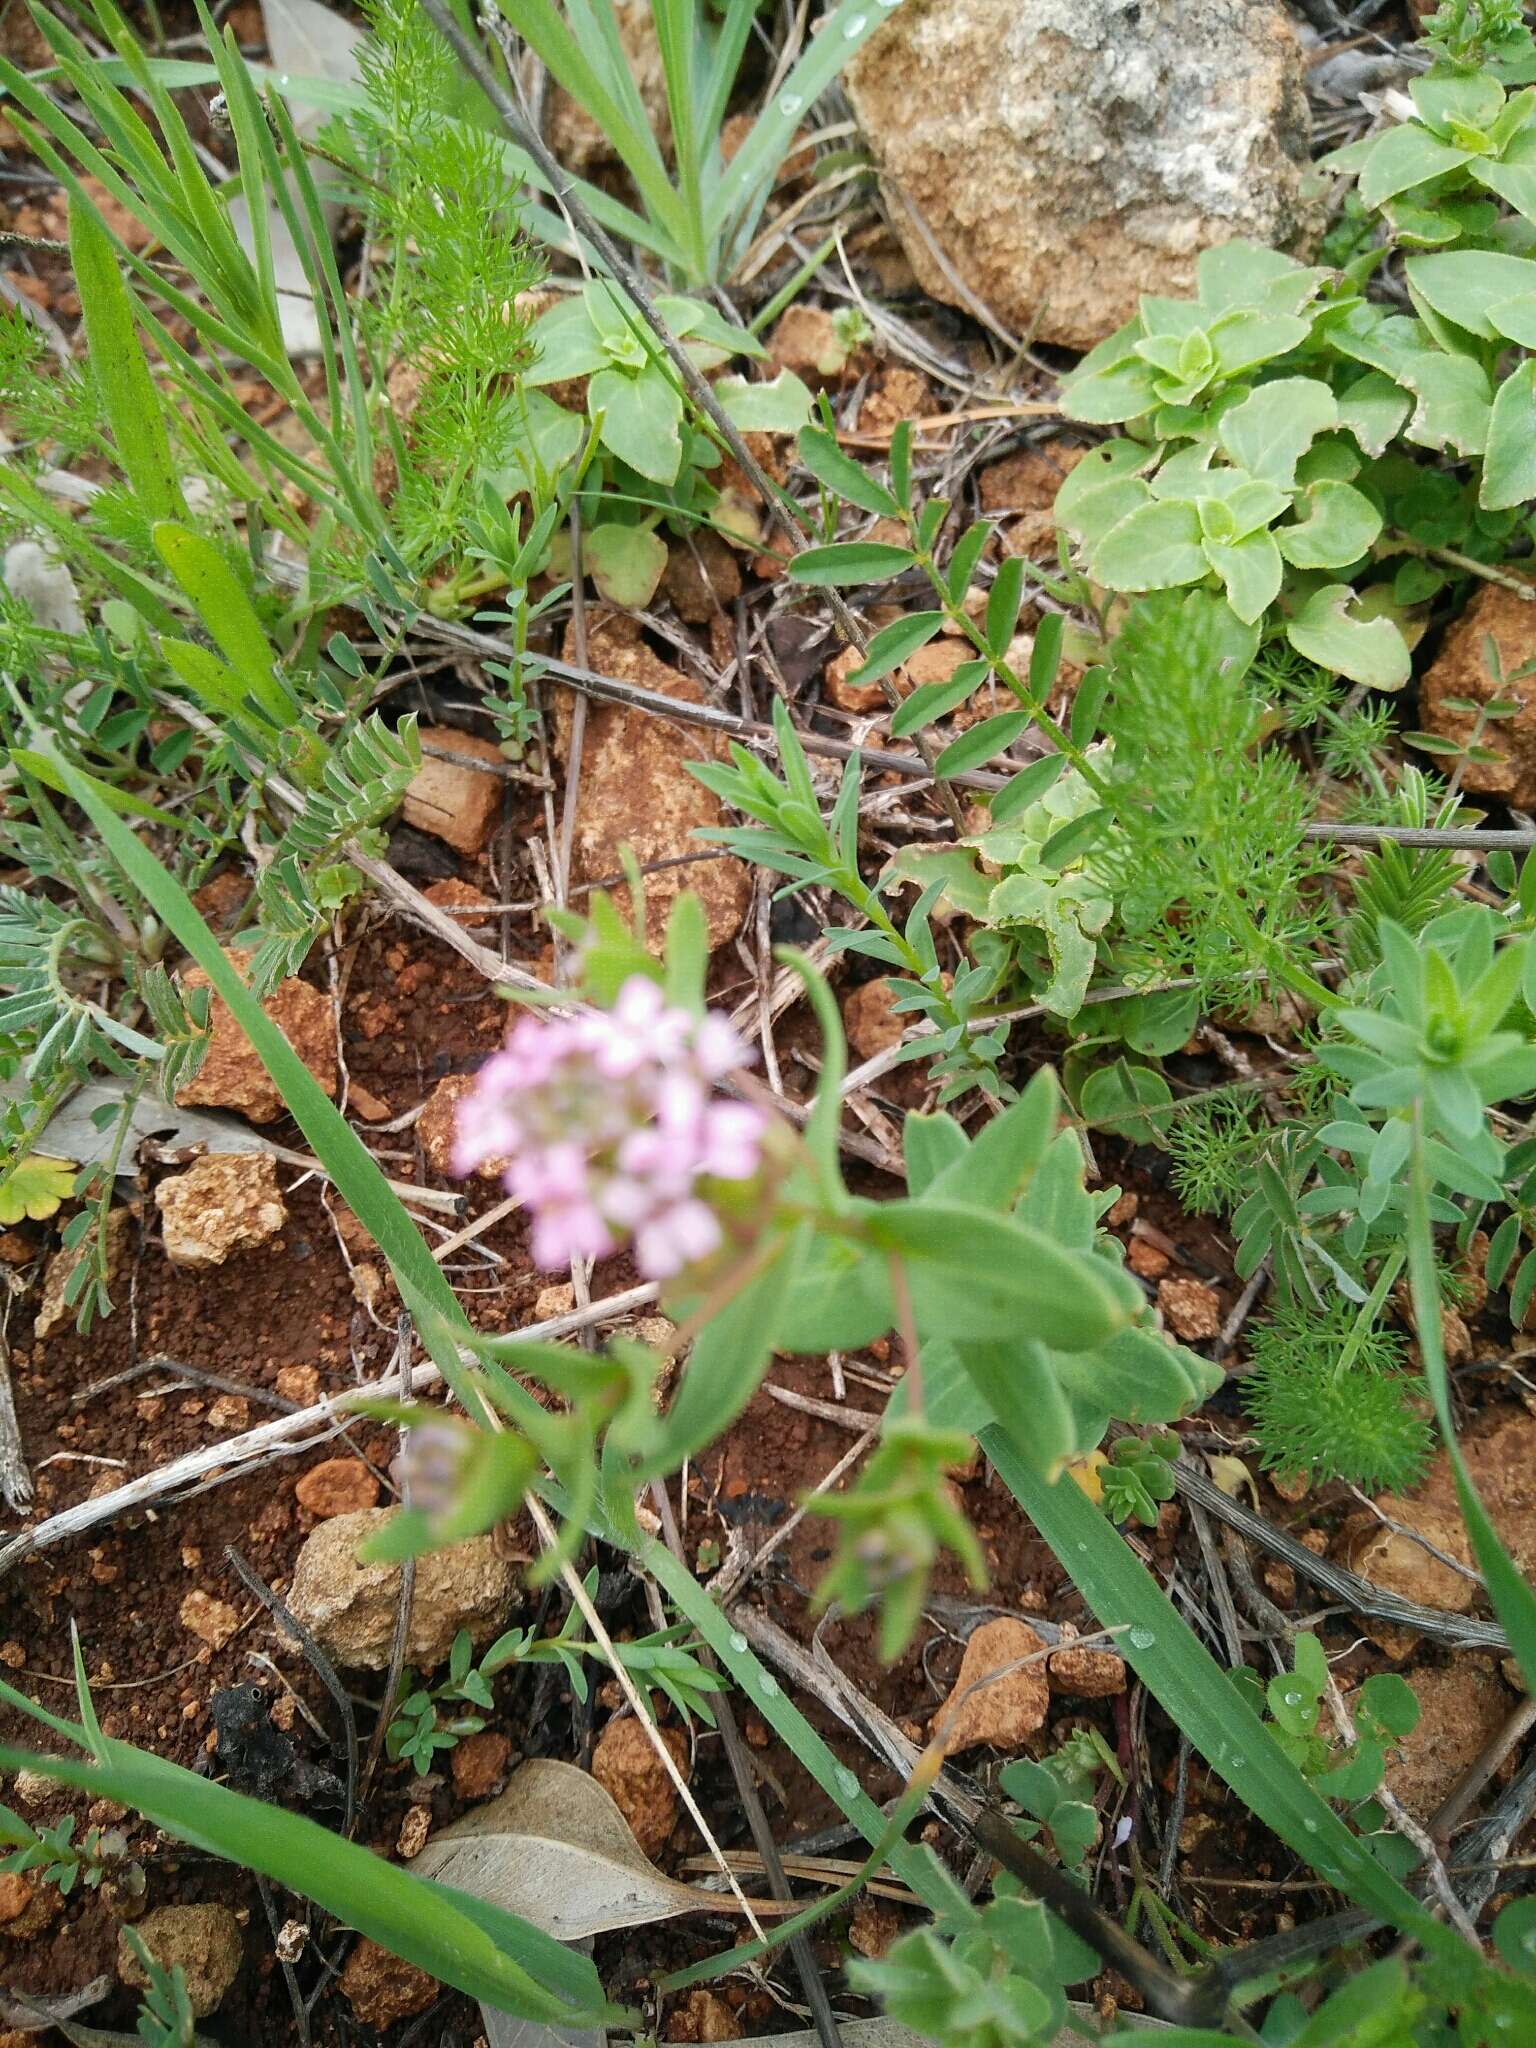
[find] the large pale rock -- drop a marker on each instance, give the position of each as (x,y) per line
(1067,155)
(232,1076)
(1461,672)
(204,1940)
(636,791)
(350,1607)
(225,1202)
(454,799)
(1007,1705)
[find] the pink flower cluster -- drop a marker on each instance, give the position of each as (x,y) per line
(609,1124)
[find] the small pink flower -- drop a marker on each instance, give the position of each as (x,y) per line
(611,1128)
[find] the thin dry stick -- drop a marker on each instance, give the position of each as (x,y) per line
(638,1708)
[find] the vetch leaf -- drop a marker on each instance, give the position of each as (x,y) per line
(850,561)
(896,643)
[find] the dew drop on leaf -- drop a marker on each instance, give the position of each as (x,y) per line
(1142,1639)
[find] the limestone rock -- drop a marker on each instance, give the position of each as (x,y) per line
(1093,1673)
(1460,671)
(232,1077)
(806,341)
(54,1311)
(382,1988)
(204,1940)
(436,1127)
(339,1486)
(1395,1561)
(1462,1706)
(1005,1713)
(1022,488)
(226,1202)
(1068,155)
(627,1767)
(704,2016)
(636,790)
(1192,1309)
(211,1620)
(479,1763)
(452,800)
(350,1607)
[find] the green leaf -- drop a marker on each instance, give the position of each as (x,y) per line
(1405,156)
(1272,429)
(849,562)
(842,476)
(479,1949)
(220,601)
(896,643)
(1155,547)
(1370,651)
(35,1187)
(771,405)
(128,395)
(1373,409)
(1201,1701)
(642,419)
(626,562)
(1250,572)
(1509,462)
(1462,284)
(975,748)
(936,700)
(974,1273)
(1339,524)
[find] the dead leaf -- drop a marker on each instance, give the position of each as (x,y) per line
(72,1132)
(1231,1476)
(555,1849)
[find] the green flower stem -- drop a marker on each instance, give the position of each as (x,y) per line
(1365,1321)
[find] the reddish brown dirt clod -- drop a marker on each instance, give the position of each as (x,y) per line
(382,1989)
(211,1620)
(454,800)
(232,1075)
(626,1765)
(479,1763)
(704,2016)
(1006,1711)
(341,1486)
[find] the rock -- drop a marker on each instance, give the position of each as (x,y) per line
(437,1124)
(479,1763)
(1026,484)
(704,2016)
(226,1202)
(1093,1673)
(464,903)
(16,1889)
(229,1413)
(1462,1706)
(870,1019)
(1460,671)
(204,1940)
(299,1384)
(211,1620)
(559,1299)
(702,576)
(636,790)
(32,1788)
(231,1076)
(341,1486)
(580,141)
(381,1988)
(1068,155)
(456,803)
(414,1830)
(1401,1565)
(1007,1712)
(935,663)
(55,1311)
(874,1928)
(1146,1260)
(28,1907)
(1192,1309)
(626,1765)
(350,1607)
